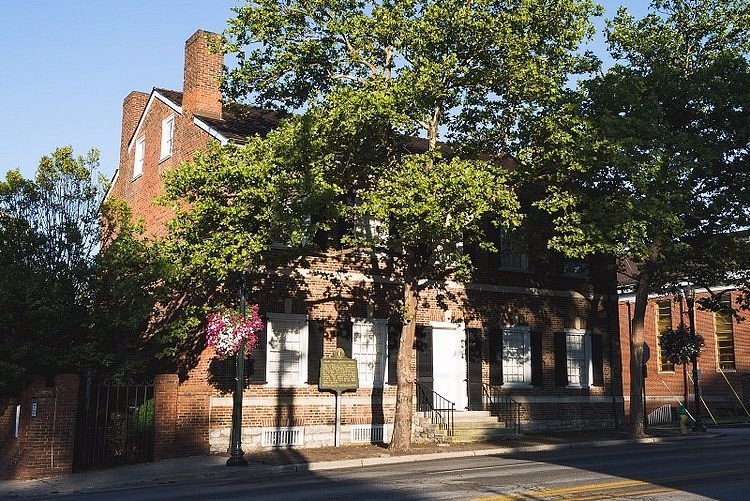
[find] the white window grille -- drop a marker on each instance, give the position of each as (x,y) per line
(578,357)
(140,153)
(286,359)
(167,137)
(368,433)
(283,437)
(369,348)
(517,355)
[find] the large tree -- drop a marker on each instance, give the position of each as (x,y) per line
(53,276)
(656,169)
(372,76)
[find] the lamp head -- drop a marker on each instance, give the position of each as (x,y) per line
(688,291)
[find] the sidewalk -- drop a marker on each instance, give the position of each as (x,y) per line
(272,462)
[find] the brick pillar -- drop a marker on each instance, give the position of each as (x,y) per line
(64,422)
(165,415)
(47,428)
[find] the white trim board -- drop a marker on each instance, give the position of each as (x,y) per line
(154,95)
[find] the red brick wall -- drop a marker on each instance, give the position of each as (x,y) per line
(549,405)
(203,70)
(45,443)
(667,387)
(7,432)
(165,415)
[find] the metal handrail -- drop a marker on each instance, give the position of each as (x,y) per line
(502,405)
(439,408)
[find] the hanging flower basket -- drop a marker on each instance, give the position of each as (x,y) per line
(228,331)
(679,345)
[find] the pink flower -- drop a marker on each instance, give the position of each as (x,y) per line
(227,331)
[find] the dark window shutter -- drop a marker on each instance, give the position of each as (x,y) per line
(493,259)
(423,344)
(344,337)
(474,367)
(394,337)
(496,356)
(597,360)
(314,350)
(537,364)
(561,360)
(256,364)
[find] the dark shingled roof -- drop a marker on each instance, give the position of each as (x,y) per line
(172,95)
(240,121)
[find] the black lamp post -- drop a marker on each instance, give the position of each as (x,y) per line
(237,457)
(689,293)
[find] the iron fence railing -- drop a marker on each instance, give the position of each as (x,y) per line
(439,409)
(501,405)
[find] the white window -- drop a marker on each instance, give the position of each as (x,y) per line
(578,357)
(369,229)
(369,348)
(140,151)
(167,137)
(517,355)
(286,359)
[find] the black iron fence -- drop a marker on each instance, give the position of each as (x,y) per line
(115,424)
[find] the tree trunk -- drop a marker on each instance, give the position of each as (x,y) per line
(401,440)
(637,410)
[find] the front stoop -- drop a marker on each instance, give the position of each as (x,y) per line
(469,426)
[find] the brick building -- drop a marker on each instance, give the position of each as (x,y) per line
(724,361)
(542,332)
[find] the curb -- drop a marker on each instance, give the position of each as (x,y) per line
(414,458)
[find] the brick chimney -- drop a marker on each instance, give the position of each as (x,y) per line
(203,68)
(132,109)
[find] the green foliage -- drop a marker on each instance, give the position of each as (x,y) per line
(54,288)
(407,114)
(653,166)
(662,175)
(679,345)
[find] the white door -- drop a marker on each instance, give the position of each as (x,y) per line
(449,362)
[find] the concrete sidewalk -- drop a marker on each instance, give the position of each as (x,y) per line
(268,463)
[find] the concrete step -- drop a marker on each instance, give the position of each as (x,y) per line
(490,421)
(480,435)
(461,416)
(470,426)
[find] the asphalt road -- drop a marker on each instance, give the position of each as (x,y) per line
(716,468)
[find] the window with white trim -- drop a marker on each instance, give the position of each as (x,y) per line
(140,153)
(370,229)
(578,357)
(516,355)
(286,355)
(369,348)
(167,137)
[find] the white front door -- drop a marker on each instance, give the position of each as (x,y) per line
(449,362)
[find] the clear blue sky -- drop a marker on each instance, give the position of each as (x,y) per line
(68,64)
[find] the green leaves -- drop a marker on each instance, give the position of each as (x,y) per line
(679,345)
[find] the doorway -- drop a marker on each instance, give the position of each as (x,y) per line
(449,362)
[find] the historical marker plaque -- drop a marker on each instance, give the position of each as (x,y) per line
(338,373)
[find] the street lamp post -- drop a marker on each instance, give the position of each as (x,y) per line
(237,455)
(689,293)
